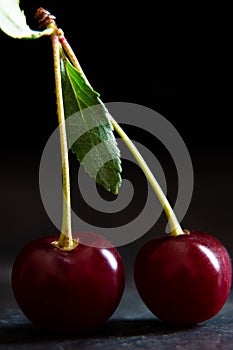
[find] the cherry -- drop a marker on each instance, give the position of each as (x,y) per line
(68,291)
(183,279)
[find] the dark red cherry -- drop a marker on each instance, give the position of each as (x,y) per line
(183,280)
(68,291)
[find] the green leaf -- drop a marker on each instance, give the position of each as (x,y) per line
(90,133)
(13,22)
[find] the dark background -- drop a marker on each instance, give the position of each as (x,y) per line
(173,60)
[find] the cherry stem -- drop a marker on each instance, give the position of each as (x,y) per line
(175,227)
(65,240)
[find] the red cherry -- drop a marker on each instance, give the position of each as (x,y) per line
(68,291)
(183,280)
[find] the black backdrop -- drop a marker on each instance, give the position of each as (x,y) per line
(176,62)
(173,60)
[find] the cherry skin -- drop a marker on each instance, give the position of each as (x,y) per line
(185,279)
(68,291)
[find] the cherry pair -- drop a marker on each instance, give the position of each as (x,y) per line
(183,280)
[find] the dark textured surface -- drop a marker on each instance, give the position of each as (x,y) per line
(132,327)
